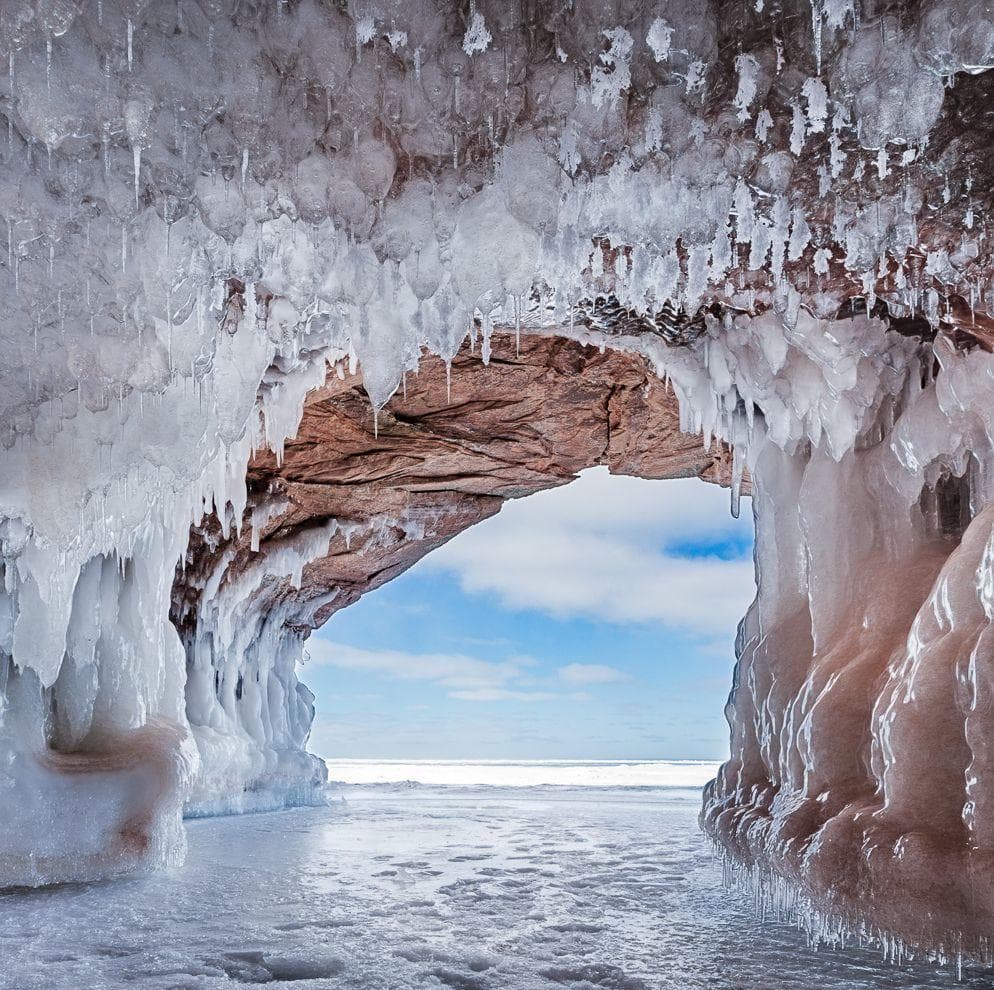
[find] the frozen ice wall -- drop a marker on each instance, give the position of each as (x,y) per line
(206,205)
(861,710)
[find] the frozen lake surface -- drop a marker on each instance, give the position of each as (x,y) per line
(526,773)
(582,888)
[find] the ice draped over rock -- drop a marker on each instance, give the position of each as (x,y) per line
(861,713)
(206,207)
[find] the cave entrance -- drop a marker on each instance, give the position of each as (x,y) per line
(604,615)
(572,618)
(582,626)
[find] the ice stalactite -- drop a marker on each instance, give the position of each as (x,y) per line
(94,724)
(861,713)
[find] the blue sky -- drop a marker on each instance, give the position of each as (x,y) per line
(594,621)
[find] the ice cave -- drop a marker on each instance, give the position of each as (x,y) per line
(296,290)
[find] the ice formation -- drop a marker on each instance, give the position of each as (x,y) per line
(208,204)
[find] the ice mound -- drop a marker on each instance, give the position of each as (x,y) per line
(207,205)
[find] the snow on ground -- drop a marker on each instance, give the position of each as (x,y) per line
(525,773)
(399,887)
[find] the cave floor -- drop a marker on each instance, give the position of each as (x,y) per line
(397,887)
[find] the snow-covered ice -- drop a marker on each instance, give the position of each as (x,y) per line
(525,773)
(404,886)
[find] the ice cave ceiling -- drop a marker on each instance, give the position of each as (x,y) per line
(294,291)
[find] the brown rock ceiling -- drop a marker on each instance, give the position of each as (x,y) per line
(523,423)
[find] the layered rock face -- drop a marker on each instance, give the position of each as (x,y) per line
(236,232)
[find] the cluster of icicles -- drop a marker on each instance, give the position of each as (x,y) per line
(352,173)
(777,900)
(207,204)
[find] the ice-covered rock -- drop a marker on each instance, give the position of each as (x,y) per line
(205,206)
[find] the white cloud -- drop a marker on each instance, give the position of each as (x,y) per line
(450,670)
(598,549)
(591,673)
(503,694)
(679,510)
(464,678)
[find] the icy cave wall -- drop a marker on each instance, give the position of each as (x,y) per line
(784,208)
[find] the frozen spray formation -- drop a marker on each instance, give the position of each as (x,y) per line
(784,207)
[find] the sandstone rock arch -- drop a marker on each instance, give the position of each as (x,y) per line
(377,494)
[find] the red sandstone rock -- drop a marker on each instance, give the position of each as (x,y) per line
(526,422)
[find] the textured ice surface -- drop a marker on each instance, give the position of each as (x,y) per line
(414,887)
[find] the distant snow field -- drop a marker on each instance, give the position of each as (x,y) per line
(525,773)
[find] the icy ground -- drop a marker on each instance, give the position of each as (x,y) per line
(586,889)
(526,773)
